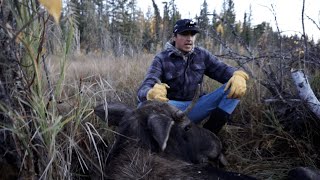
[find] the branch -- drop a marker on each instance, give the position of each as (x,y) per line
(305,92)
(314,22)
(304,36)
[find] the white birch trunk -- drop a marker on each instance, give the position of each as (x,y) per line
(305,92)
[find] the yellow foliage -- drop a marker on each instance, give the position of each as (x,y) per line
(220,29)
(54,8)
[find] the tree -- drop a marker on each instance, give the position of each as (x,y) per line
(203,21)
(90,34)
(245,33)
(228,19)
(156,24)
(123,27)
(170,16)
(148,40)
(174,14)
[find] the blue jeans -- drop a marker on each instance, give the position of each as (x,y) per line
(207,103)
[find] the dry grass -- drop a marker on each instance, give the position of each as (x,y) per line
(75,142)
(57,136)
(117,78)
(256,143)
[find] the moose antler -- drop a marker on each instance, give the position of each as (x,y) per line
(195,98)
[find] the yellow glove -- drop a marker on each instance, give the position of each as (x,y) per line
(237,84)
(158,92)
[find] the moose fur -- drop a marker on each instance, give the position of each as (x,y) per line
(158,140)
(305,173)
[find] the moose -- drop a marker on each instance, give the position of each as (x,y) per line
(158,140)
(305,173)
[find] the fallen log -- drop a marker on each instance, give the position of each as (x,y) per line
(305,92)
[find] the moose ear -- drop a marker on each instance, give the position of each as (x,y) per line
(111,113)
(160,126)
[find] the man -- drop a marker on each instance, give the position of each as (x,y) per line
(181,67)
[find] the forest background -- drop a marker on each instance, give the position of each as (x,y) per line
(53,74)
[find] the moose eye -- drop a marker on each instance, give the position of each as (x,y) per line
(187,128)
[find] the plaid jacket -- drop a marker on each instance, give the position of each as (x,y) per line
(183,73)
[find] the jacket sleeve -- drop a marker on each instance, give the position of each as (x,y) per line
(153,74)
(218,70)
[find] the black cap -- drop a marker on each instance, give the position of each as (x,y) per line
(185,25)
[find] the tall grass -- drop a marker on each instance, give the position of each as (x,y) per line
(54,133)
(57,136)
(256,142)
(69,142)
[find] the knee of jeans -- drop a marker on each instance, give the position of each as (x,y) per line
(196,118)
(220,90)
(180,105)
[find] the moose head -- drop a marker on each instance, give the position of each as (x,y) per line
(162,128)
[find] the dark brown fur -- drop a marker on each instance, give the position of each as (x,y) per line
(304,173)
(159,142)
(151,123)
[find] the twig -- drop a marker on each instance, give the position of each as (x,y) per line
(313,22)
(304,36)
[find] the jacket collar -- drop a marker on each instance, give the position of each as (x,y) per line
(169,46)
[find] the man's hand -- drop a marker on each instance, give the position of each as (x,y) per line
(237,84)
(158,92)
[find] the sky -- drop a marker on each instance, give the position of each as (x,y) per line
(288,12)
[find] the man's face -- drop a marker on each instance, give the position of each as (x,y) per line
(185,41)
